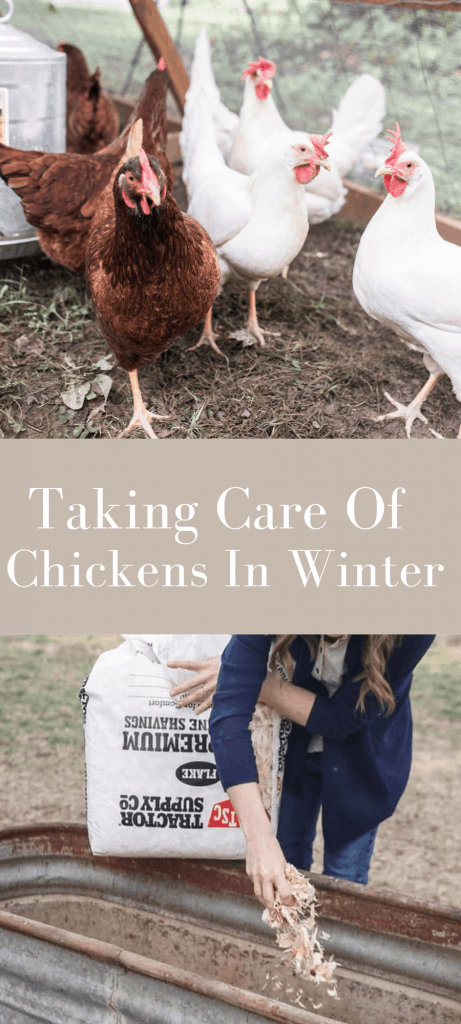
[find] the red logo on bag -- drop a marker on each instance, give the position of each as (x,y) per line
(223,816)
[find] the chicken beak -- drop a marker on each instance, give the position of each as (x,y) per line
(323,163)
(397,171)
(154,195)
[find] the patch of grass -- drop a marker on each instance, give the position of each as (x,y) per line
(40,677)
(436,688)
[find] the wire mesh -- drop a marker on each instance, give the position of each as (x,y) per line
(318,46)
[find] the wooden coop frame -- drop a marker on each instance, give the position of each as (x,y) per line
(361,203)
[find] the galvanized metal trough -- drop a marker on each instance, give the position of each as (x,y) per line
(86,940)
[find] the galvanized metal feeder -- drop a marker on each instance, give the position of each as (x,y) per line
(178,941)
(32,116)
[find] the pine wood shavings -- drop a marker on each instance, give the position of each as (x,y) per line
(297,933)
(261,729)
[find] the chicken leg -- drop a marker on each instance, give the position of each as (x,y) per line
(252,325)
(413,411)
(252,329)
(141,417)
(207,337)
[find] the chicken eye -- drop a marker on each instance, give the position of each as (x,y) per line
(409,166)
(303,149)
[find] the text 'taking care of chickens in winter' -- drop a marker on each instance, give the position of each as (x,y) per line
(236,510)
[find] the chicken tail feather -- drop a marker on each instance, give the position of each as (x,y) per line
(357,121)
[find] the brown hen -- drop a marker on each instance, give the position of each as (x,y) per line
(60,191)
(152,271)
(92,121)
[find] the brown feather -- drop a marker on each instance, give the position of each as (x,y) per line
(92,121)
(60,191)
(151,277)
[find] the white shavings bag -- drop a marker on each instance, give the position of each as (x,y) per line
(152,784)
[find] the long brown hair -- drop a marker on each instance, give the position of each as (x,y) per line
(377,649)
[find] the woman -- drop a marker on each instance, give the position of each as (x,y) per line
(349,750)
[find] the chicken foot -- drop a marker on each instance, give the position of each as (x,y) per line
(412,411)
(141,417)
(252,329)
(208,338)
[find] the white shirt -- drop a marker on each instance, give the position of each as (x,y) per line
(329,668)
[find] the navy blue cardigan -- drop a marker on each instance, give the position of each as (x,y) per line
(367,756)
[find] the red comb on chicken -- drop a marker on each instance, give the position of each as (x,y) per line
(319,142)
(398,148)
(394,183)
(149,177)
(265,70)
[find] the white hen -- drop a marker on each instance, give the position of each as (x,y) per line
(242,140)
(356,122)
(407,276)
(201,77)
(258,223)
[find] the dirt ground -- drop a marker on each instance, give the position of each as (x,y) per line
(417,850)
(322,374)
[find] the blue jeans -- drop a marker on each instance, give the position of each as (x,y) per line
(297,825)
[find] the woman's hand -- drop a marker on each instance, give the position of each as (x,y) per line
(271,689)
(265,862)
(266,866)
(200,687)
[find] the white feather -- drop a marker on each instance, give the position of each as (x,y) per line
(356,123)
(258,223)
(259,122)
(407,276)
(225,121)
